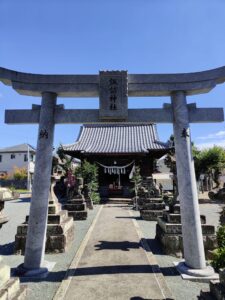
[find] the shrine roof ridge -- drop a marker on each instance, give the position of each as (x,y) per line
(117,138)
(88,85)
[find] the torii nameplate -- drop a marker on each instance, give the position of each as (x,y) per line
(113,95)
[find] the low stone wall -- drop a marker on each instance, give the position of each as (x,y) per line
(18,184)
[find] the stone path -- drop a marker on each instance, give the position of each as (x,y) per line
(114,264)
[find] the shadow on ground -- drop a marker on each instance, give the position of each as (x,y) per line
(101,270)
(124,246)
(130,217)
(7,249)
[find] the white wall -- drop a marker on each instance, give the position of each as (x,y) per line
(7,164)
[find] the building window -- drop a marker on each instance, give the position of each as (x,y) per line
(13,156)
(0,158)
(25,157)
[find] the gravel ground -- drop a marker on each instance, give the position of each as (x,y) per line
(39,289)
(182,289)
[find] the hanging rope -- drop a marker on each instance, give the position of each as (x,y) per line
(115,169)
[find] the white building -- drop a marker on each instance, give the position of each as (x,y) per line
(165,177)
(19,156)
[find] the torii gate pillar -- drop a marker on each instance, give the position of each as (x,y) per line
(36,236)
(193,247)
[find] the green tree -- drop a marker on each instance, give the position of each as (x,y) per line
(89,173)
(210,161)
(19,173)
(137,180)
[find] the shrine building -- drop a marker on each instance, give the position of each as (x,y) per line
(117,149)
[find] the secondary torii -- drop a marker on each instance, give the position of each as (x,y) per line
(113,89)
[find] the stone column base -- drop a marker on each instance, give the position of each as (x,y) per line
(201,275)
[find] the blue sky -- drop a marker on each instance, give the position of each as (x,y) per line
(85,36)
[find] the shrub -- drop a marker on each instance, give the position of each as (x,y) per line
(218,261)
(221,236)
(19,173)
(219,254)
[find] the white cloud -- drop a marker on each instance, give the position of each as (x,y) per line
(210,144)
(216,135)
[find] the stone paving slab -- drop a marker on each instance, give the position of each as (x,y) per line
(114,264)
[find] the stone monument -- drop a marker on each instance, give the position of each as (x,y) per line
(169,233)
(76,206)
(60,228)
(151,206)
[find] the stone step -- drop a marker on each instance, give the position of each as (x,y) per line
(54,208)
(153,206)
(172,242)
(55,219)
(119,201)
(51,228)
(75,207)
(177,228)
(75,201)
(4,274)
(59,237)
(59,243)
(78,197)
(176,218)
(150,215)
(150,200)
(78,215)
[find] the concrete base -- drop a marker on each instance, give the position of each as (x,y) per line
(201,275)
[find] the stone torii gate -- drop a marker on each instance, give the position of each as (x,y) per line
(113,89)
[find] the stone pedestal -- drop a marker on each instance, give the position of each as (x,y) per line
(76,208)
(10,288)
(3,218)
(151,208)
(60,229)
(169,233)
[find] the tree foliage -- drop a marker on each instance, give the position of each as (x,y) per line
(19,173)
(89,173)
(210,159)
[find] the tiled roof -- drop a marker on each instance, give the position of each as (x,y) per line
(18,148)
(116,138)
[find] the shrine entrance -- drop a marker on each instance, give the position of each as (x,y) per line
(113,89)
(116,149)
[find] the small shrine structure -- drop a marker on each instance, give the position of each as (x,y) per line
(116,149)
